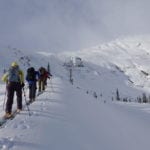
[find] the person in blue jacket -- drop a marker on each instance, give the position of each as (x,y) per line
(32,78)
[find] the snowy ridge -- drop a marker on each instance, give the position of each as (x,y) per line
(130,56)
(120,64)
(69,116)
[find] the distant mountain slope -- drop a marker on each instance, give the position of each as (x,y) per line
(131,56)
(120,64)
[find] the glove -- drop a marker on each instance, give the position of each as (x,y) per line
(22,85)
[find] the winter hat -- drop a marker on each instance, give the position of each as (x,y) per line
(14,64)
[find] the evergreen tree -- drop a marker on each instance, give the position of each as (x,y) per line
(117,95)
(139,99)
(48,67)
(125,99)
(145,100)
(95,95)
(70,75)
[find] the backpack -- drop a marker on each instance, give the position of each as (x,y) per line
(42,71)
(31,76)
(13,74)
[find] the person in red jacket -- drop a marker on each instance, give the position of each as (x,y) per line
(43,76)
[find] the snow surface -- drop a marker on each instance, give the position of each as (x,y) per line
(64,117)
(69,117)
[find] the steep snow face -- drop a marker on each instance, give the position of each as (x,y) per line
(131,56)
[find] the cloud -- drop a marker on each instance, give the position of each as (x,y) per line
(59,25)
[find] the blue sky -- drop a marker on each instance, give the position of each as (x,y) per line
(59,25)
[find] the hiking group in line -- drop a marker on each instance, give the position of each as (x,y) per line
(15,82)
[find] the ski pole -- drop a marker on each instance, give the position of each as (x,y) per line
(26,102)
(5,98)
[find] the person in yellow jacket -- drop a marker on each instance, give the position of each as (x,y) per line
(14,79)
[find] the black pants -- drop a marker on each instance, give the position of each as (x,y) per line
(13,87)
(32,91)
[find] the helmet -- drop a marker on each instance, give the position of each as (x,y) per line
(14,64)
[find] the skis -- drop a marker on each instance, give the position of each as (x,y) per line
(39,93)
(4,120)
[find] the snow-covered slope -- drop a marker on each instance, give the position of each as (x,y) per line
(121,64)
(70,116)
(130,57)
(65,117)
